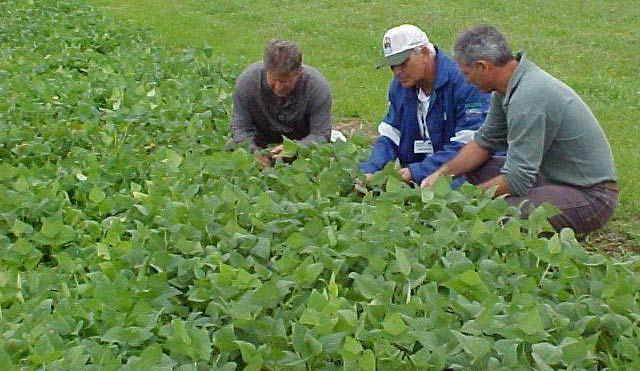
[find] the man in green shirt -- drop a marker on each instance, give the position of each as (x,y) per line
(556,150)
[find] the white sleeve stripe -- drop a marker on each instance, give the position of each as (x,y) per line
(464,136)
(390,132)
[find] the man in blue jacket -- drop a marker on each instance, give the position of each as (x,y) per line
(432,111)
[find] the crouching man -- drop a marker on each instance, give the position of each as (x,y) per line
(556,150)
(432,111)
(280,97)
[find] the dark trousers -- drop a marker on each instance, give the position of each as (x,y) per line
(581,208)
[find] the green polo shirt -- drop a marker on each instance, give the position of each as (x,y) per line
(546,130)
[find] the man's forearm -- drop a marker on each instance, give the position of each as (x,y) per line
(319,130)
(315,138)
(242,131)
(470,157)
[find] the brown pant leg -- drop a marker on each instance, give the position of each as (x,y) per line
(581,208)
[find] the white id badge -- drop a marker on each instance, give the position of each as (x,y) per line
(423,146)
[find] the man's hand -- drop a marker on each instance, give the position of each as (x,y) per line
(405,173)
(360,186)
(275,151)
(428,181)
(499,183)
(264,160)
(367,177)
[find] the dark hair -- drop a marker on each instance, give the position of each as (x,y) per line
(482,43)
(282,56)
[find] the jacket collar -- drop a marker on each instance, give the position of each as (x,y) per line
(442,70)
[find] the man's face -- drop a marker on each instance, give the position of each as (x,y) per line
(282,84)
(413,69)
(476,74)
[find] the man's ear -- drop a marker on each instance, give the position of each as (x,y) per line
(424,52)
(483,66)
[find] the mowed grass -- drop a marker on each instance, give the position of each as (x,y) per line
(590,45)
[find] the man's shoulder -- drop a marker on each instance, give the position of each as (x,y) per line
(448,68)
(314,76)
(446,63)
(450,77)
(540,86)
(248,82)
(313,84)
(252,72)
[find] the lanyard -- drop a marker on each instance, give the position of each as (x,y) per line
(423,110)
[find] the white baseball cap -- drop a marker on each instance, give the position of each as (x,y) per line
(397,43)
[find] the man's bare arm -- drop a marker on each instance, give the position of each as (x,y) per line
(470,157)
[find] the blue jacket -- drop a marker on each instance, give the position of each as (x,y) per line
(456,110)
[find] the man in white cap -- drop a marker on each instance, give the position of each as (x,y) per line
(432,110)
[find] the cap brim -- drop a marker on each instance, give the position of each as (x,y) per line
(394,59)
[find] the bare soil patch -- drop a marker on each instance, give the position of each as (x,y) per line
(351,126)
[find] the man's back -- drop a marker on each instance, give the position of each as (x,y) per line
(556,151)
(551,132)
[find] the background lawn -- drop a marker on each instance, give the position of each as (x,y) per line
(591,45)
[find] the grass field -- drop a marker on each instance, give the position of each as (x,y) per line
(587,44)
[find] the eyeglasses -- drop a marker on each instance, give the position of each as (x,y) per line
(400,66)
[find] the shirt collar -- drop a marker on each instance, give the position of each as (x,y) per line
(422,96)
(520,70)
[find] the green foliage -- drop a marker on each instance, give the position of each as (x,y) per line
(342,38)
(131,239)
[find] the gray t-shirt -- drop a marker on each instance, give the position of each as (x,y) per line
(547,130)
(262,118)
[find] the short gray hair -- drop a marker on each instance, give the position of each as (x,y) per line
(482,43)
(430,48)
(282,56)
